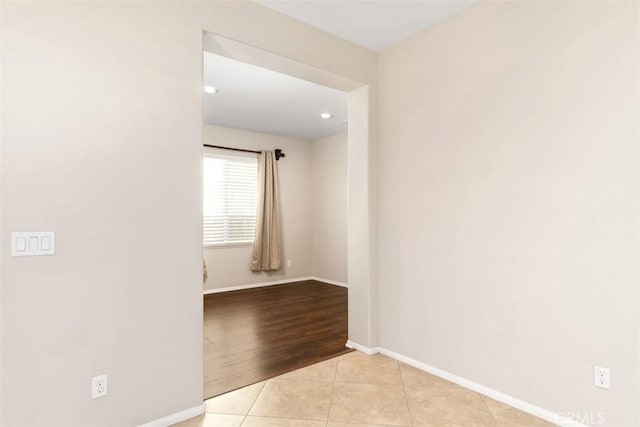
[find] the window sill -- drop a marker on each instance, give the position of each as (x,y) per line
(229,245)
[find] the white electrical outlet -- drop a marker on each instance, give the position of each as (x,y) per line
(601,377)
(289,263)
(99,386)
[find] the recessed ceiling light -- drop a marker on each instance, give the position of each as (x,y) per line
(326,115)
(210,89)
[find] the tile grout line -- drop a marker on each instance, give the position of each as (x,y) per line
(273,417)
(333,386)
(488,409)
(379,384)
(254,402)
(398,364)
(404,392)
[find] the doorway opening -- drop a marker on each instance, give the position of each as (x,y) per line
(261,324)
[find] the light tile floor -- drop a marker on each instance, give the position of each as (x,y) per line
(356,390)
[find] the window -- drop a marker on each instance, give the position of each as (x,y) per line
(229,199)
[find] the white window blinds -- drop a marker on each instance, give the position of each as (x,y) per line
(229,199)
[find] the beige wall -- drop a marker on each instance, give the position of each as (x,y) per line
(102,142)
(231,265)
(508,197)
(329,207)
(362,242)
(508,185)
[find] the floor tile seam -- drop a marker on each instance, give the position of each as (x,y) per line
(255,399)
(232,390)
(333,387)
(224,413)
(361,383)
(300,380)
(404,393)
(287,418)
(347,423)
(488,409)
(401,385)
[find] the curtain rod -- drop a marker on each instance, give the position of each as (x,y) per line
(278,151)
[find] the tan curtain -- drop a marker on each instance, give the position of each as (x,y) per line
(267,245)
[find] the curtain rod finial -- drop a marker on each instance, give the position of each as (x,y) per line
(279,154)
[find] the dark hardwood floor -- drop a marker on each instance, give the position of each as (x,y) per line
(255,334)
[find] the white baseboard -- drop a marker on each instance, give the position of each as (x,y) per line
(175,418)
(331,282)
(529,408)
(361,348)
(275,282)
(255,285)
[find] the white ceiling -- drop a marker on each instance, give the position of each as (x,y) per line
(261,100)
(371,24)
